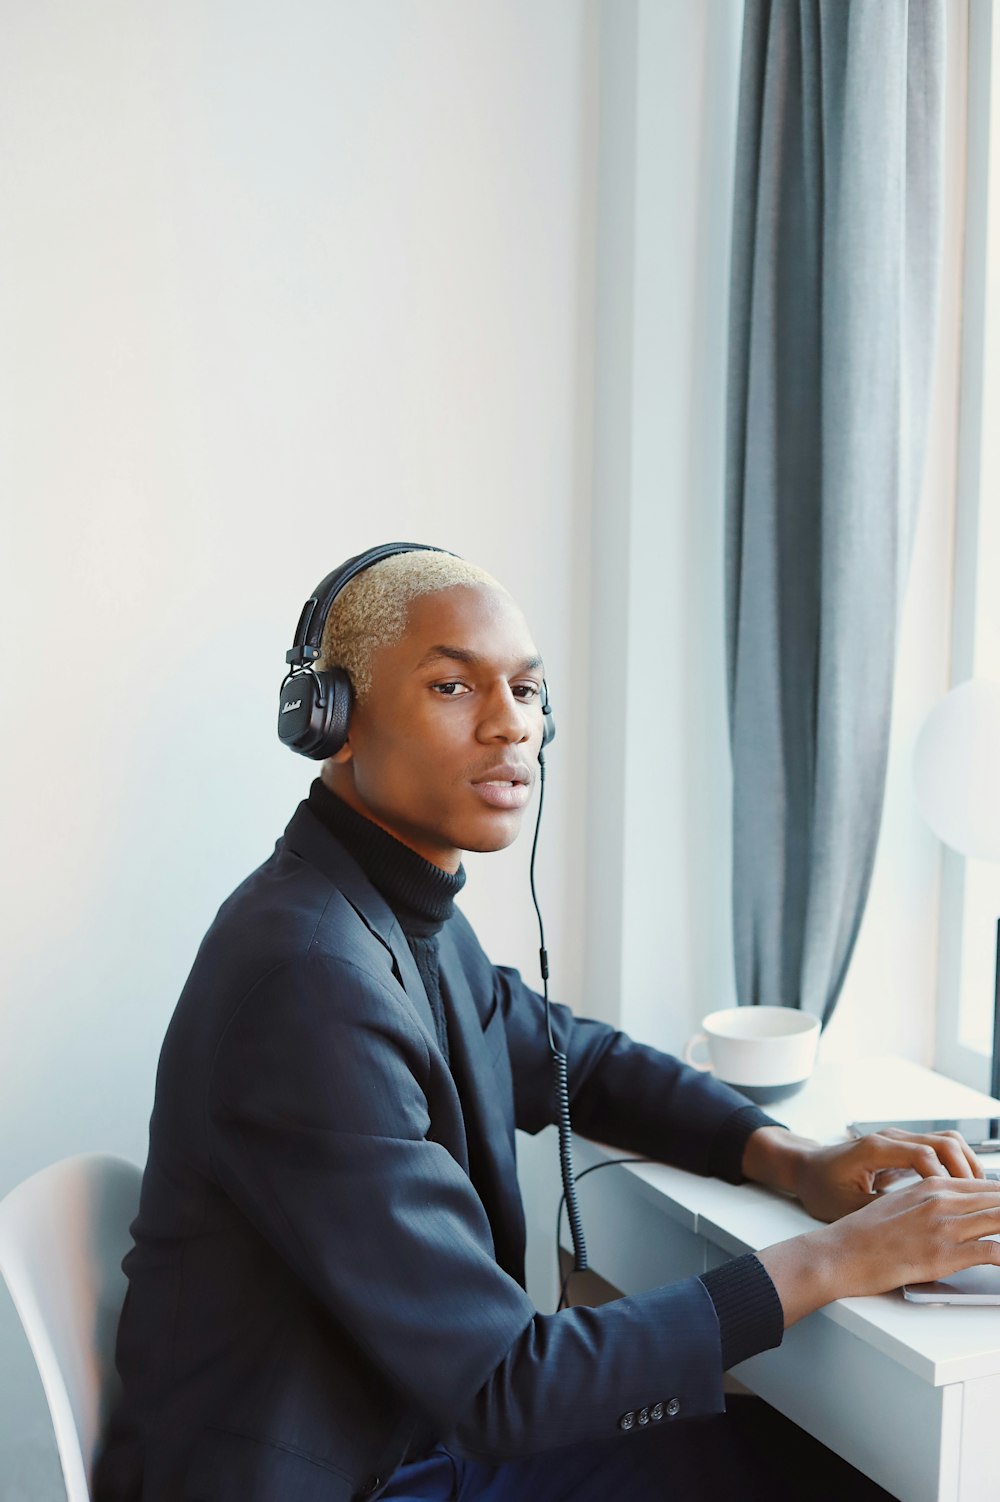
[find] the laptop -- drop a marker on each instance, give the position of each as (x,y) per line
(974,1285)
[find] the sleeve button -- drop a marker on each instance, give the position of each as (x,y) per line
(627,1421)
(673,1408)
(656,1412)
(643,1416)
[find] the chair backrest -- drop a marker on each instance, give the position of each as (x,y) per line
(63,1234)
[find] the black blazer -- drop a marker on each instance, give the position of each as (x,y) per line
(315,1277)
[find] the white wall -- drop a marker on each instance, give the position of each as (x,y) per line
(277,282)
(280,282)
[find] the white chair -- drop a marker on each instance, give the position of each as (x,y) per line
(63,1234)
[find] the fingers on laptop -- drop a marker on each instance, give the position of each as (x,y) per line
(936,1153)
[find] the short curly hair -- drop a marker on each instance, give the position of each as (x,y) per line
(371,611)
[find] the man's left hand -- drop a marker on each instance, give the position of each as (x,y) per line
(833,1181)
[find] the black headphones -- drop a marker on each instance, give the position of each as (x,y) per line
(314,707)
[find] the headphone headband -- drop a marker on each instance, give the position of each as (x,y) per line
(312,620)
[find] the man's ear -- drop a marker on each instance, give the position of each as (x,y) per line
(344,754)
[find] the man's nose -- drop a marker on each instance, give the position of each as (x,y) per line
(506,718)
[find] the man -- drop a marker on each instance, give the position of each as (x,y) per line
(326,1292)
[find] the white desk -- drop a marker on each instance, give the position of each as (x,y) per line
(910,1394)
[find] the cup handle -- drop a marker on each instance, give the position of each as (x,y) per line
(689,1048)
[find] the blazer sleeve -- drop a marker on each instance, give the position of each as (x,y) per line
(621,1092)
(320,1129)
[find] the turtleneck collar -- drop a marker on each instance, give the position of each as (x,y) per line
(420,894)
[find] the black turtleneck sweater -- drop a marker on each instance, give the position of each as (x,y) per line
(422,897)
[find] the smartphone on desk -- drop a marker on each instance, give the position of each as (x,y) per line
(982,1133)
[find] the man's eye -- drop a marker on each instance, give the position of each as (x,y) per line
(527,690)
(448,690)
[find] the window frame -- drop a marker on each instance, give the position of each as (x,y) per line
(977,526)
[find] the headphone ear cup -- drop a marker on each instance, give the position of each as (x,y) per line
(315,712)
(335,713)
(548,723)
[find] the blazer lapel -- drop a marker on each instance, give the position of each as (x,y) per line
(481,1068)
(405,968)
(308,837)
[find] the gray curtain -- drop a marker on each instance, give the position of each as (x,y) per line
(836,242)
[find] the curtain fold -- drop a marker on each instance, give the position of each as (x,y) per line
(833,314)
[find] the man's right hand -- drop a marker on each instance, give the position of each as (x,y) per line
(911,1235)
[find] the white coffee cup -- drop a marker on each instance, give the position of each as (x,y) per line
(767,1053)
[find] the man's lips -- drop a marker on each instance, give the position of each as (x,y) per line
(505,786)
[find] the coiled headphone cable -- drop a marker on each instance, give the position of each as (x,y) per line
(559,1062)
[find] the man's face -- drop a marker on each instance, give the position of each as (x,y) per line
(443,751)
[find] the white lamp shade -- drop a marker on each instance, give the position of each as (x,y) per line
(956,769)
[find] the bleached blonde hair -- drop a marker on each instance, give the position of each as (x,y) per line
(372,610)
